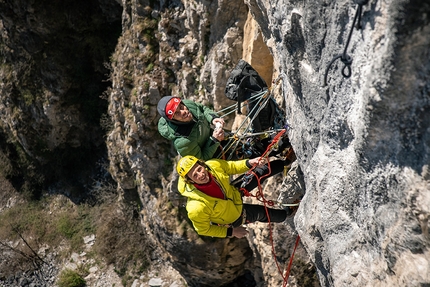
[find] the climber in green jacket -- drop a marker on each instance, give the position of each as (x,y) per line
(214,205)
(188,125)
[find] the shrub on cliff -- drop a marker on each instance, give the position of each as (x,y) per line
(70,278)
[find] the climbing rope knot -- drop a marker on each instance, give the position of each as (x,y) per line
(245,192)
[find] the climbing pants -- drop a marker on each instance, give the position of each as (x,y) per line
(252,213)
(263,172)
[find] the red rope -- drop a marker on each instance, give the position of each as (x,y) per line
(287,271)
(260,197)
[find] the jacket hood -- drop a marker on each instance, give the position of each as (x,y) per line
(161,106)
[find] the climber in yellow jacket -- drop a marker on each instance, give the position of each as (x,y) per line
(214,205)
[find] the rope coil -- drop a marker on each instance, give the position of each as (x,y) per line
(260,197)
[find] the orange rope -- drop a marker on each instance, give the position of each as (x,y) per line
(222,151)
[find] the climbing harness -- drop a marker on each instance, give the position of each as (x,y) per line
(344,57)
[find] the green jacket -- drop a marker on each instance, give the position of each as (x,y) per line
(206,212)
(198,141)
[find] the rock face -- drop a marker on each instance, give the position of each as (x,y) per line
(364,147)
(362,142)
(52,76)
(196,46)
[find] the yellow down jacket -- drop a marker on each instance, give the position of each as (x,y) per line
(209,215)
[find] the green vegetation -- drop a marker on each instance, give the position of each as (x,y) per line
(70,278)
(6,168)
(149,68)
(5,68)
(28,97)
(30,219)
(55,221)
(18,168)
(122,242)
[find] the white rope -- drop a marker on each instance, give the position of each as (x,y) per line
(243,131)
(289,204)
(231,109)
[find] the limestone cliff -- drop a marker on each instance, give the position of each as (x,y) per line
(362,142)
(364,147)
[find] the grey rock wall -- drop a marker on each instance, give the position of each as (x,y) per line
(193,45)
(362,142)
